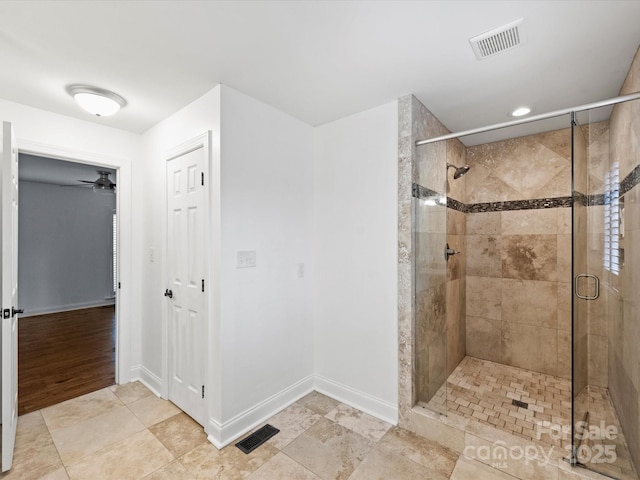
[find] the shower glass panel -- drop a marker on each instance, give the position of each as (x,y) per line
(606,320)
(583,287)
(430,238)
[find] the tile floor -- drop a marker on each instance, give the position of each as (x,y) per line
(126,433)
(484,391)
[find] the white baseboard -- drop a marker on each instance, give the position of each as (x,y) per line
(147,378)
(65,308)
(223,434)
(362,401)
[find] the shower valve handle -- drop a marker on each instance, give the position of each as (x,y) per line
(448,252)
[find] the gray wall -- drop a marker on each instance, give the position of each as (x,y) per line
(65,248)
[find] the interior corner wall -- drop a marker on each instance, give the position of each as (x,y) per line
(65,244)
(355,265)
(262,177)
(266,207)
(194,119)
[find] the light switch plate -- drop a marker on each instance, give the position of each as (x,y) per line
(246,259)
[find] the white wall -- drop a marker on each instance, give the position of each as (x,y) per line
(52,135)
(261,341)
(65,248)
(283,189)
(355,237)
(39,127)
(198,117)
(267,324)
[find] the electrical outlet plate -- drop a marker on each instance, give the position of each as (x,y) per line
(246,259)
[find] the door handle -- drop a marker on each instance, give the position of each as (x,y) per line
(576,289)
(168,293)
(15,311)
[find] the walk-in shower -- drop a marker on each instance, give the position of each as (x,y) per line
(533,328)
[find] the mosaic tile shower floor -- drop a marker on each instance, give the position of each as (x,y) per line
(530,405)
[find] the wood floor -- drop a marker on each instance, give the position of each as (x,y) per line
(64,355)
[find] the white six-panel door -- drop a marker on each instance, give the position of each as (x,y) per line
(187,327)
(9,264)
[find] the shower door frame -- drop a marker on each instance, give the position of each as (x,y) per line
(579,266)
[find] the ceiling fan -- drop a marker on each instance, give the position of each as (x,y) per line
(102,184)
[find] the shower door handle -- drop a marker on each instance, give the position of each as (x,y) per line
(576,288)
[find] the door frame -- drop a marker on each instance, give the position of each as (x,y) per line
(9,370)
(124,297)
(201,141)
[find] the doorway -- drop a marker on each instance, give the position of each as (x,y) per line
(67,281)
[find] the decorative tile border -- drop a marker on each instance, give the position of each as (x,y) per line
(454,204)
(585,200)
(535,204)
(593,200)
(630,181)
(424,193)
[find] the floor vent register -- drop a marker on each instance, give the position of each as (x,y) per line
(257,438)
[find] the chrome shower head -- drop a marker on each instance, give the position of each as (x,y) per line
(459,171)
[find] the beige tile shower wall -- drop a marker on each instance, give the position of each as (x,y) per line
(518,263)
(430,226)
(406,331)
(525,168)
(440,284)
(457,264)
(416,278)
(624,302)
(438,330)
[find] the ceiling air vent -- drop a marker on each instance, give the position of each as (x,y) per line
(497,40)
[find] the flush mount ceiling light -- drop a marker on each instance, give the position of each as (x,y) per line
(97,101)
(521,112)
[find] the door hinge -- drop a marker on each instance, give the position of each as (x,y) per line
(202,391)
(203,285)
(202,178)
(118,285)
(6,313)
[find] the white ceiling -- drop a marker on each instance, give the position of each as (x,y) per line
(316,60)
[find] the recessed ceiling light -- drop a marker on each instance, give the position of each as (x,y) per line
(520,112)
(97,101)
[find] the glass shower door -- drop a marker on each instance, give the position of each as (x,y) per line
(606,174)
(430,271)
(583,286)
